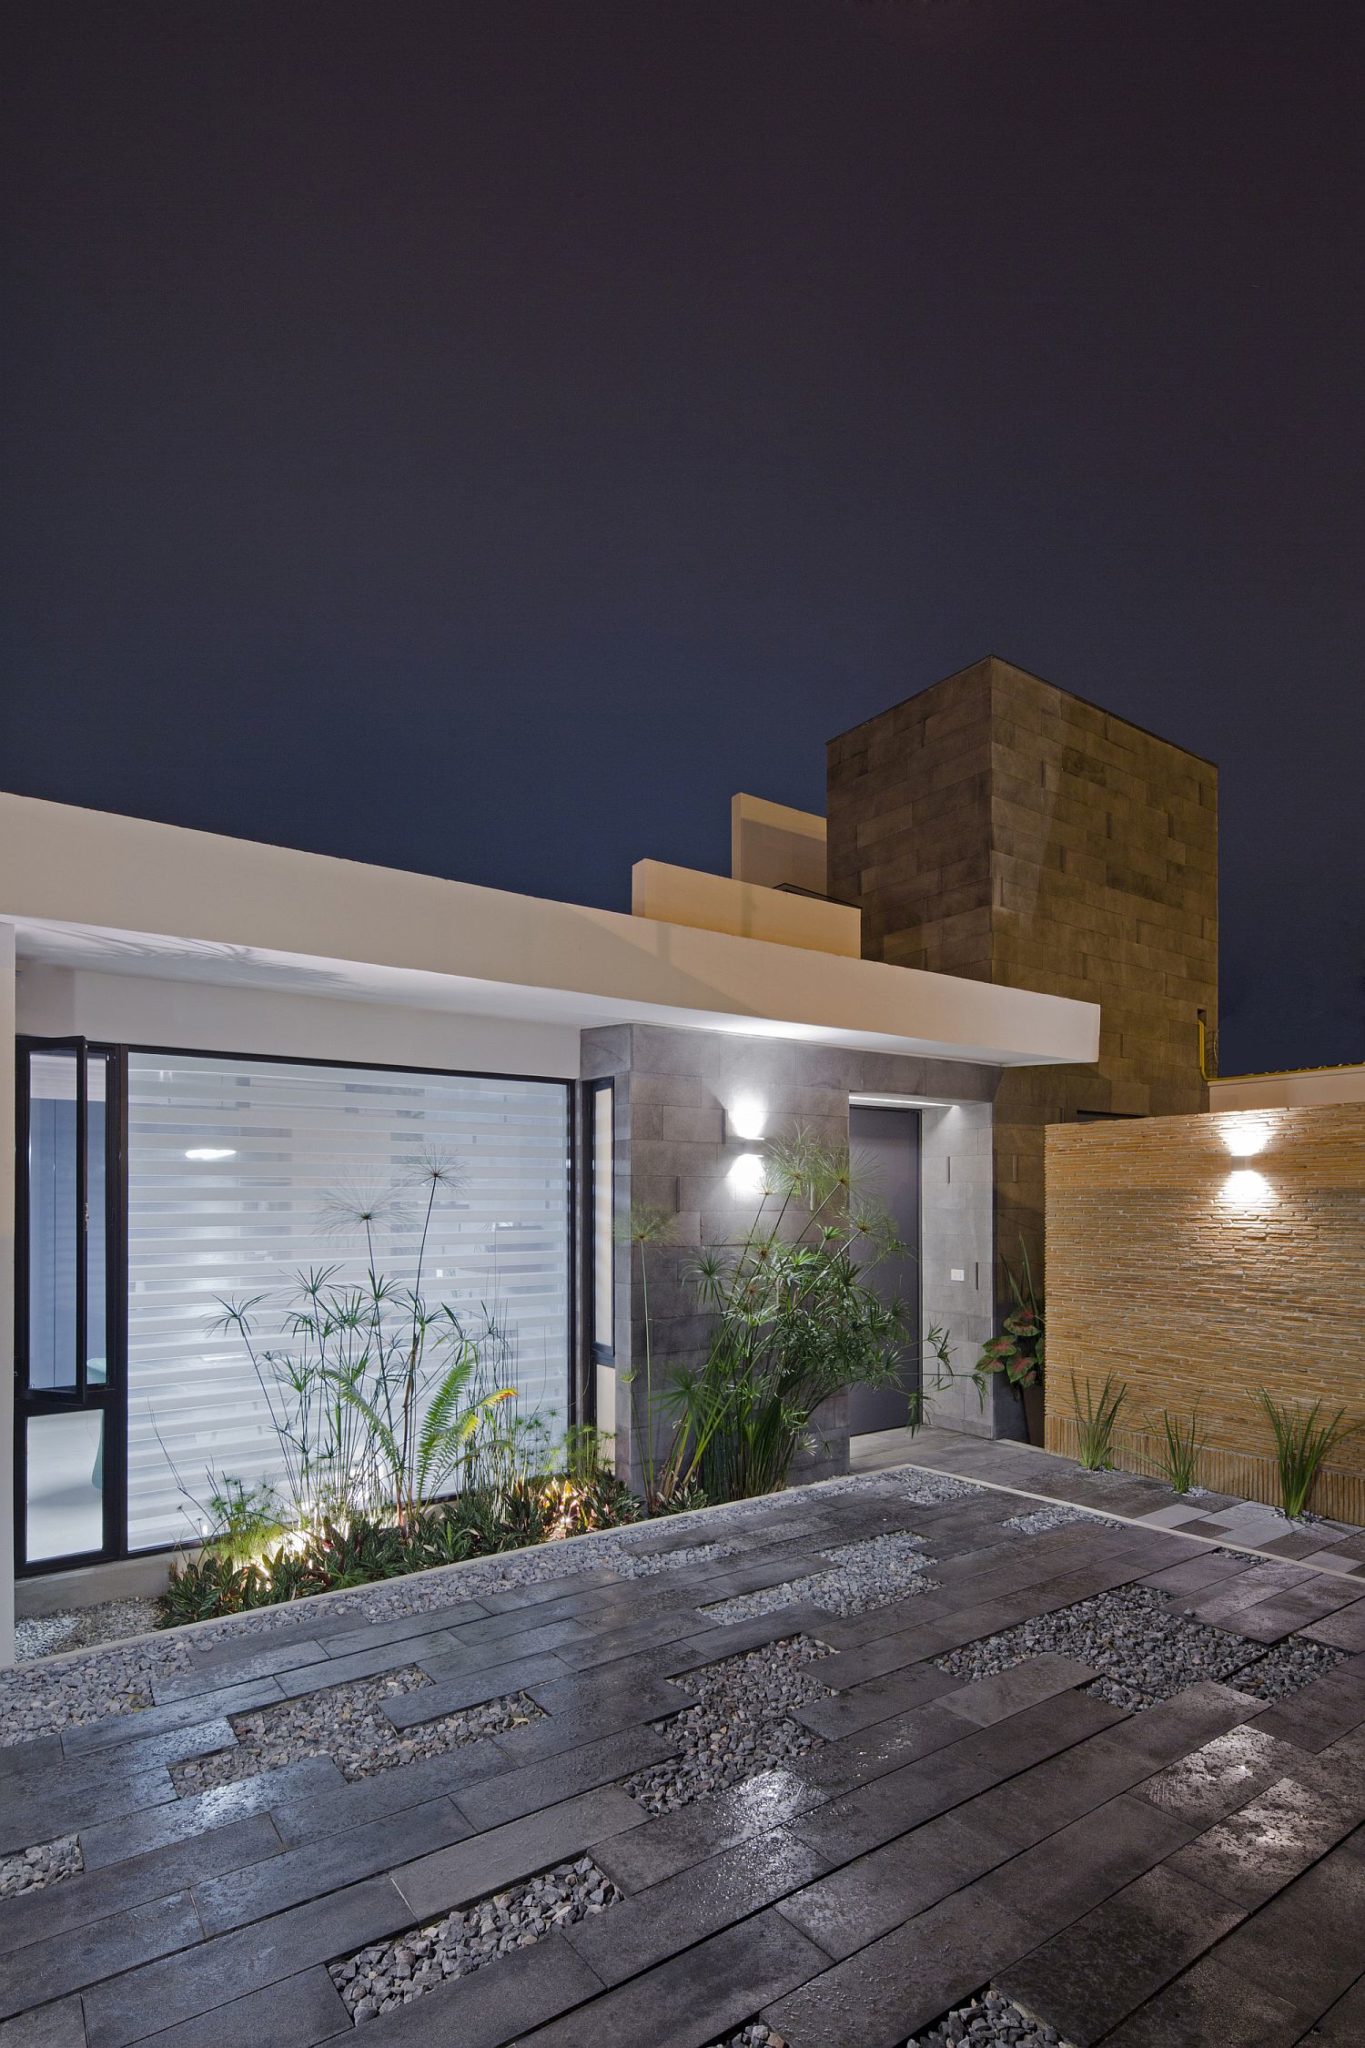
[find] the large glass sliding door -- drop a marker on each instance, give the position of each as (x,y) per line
(243,1173)
(69,1419)
(158,1185)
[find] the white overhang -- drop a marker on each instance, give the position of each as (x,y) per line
(93,890)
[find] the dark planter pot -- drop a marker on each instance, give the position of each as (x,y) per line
(1032,1398)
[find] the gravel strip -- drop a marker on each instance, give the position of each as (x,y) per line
(1039,1520)
(346,1723)
(931,1489)
(1136,1637)
(41,1699)
(740,1726)
(390,1974)
(755,2035)
(1287,1667)
(81,1628)
(990,2020)
(862,1576)
(32,1870)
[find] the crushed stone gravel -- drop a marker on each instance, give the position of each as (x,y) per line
(862,1576)
(933,1489)
(81,1628)
(1037,1521)
(1287,1667)
(347,1723)
(1144,1649)
(32,1870)
(391,1974)
(65,1692)
(741,1724)
(990,2020)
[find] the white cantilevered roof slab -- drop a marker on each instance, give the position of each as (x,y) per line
(91,889)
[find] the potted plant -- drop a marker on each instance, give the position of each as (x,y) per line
(1018,1350)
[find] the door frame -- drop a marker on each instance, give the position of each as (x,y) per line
(109,1397)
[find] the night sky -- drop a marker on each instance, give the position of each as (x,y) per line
(478,438)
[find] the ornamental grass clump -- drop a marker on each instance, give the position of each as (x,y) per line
(1180,1449)
(1303,1444)
(1096,1415)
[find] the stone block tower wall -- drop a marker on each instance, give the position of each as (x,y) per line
(997,827)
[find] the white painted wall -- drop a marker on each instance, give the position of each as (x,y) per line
(715,903)
(7,1170)
(139,1009)
(1306,1089)
(772,843)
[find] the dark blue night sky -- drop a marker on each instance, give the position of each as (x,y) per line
(478,438)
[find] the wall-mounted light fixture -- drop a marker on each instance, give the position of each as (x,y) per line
(211,1152)
(1245,1136)
(1247,1189)
(746,1118)
(748,1175)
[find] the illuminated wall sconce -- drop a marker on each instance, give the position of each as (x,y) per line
(746,1118)
(1247,1189)
(748,1176)
(1246,1137)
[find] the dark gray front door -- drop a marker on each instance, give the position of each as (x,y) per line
(885,1148)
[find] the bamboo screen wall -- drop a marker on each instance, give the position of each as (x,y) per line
(1200,1258)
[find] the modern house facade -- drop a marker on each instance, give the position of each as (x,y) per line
(226,1061)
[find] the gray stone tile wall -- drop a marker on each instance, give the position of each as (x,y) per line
(675,1152)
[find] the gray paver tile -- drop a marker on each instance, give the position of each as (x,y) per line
(486,1862)
(49,1968)
(1344,2025)
(1221,1775)
(327,1864)
(513,1793)
(1257,1850)
(877,1699)
(207,1706)
(249,1658)
(669,1917)
(1088,1979)
(470,1689)
(1210,2004)
(494,2005)
(54,1808)
(866,1898)
(114,1841)
(180,1987)
(71,1905)
(1304,1945)
(48,2026)
(693,1997)
(674,1841)
(299,2012)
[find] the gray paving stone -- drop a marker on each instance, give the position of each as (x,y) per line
(327,1864)
(70,1906)
(513,1793)
(206,1706)
(669,1917)
(373,1663)
(878,1699)
(48,2026)
(489,1861)
(1088,1979)
(180,1987)
(247,1659)
(1210,2004)
(1345,1629)
(1344,2025)
(494,2005)
(48,1969)
(1025,1685)
(470,1689)
(692,1998)
(1257,1850)
(1221,1775)
(868,1897)
(115,1841)
(296,2013)
(1322,1712)
(55,1808)
(1304,1945)
(675,1841)
(310,1813)
(898,1984)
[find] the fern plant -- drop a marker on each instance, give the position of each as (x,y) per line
(1303,1444)
(1096,1415)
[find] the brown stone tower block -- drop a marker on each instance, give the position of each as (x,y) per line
(997,827)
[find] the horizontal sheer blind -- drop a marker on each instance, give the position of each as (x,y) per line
(242,1172)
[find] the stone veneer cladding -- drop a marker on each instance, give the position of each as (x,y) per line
(996,827)
(672,1153)
(1191,1284)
